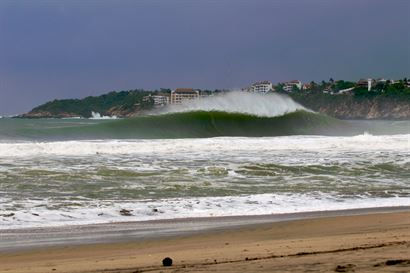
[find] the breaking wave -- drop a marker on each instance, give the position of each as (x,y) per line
(262,105)
(96,115)
(232,114)
(198,124)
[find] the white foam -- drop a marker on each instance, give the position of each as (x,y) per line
(73,118)
(35,213)
(266,105)
(96,115)
(364,142)
(226,153)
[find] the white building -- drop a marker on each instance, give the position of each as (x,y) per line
(366,83)
(288,86)
(181,95)
(261,87)
(159,100)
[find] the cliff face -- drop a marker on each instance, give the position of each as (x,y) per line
(125,112)
(350,107)
(368,109)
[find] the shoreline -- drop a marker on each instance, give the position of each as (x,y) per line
(124,117)
(17,239)
(365,242)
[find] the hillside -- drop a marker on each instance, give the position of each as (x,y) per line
(356,105)
(121,103)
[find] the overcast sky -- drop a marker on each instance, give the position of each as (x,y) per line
(72,49)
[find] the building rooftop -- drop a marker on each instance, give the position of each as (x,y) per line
(262,82)
(185,90)
(294,81)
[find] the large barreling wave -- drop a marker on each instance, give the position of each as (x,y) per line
(231,114)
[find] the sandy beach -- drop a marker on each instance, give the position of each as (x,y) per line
(378,242)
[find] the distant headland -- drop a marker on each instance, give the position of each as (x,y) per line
(365,99)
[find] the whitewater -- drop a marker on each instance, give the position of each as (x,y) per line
(231,155)
(262,105)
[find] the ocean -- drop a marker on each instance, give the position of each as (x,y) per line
(239,154)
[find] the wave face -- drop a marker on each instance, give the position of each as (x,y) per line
(230,114)
(198,124)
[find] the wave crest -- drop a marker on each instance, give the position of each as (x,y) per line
(262,105)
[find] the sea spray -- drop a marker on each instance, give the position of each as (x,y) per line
(96,115)
(262,105)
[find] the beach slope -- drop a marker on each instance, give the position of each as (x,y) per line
(361,243)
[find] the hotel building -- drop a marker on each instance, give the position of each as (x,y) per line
(181,95)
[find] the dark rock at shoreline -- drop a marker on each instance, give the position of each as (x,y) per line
(167,261)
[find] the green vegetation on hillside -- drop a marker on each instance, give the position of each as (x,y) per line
(131,100)
(396,91)
(121,102)
(399,89)
(328,97)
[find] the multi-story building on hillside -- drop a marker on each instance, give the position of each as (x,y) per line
(261,87)
(289,86)
(159,100)
(181,95)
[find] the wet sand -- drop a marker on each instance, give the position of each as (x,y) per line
(378,242)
